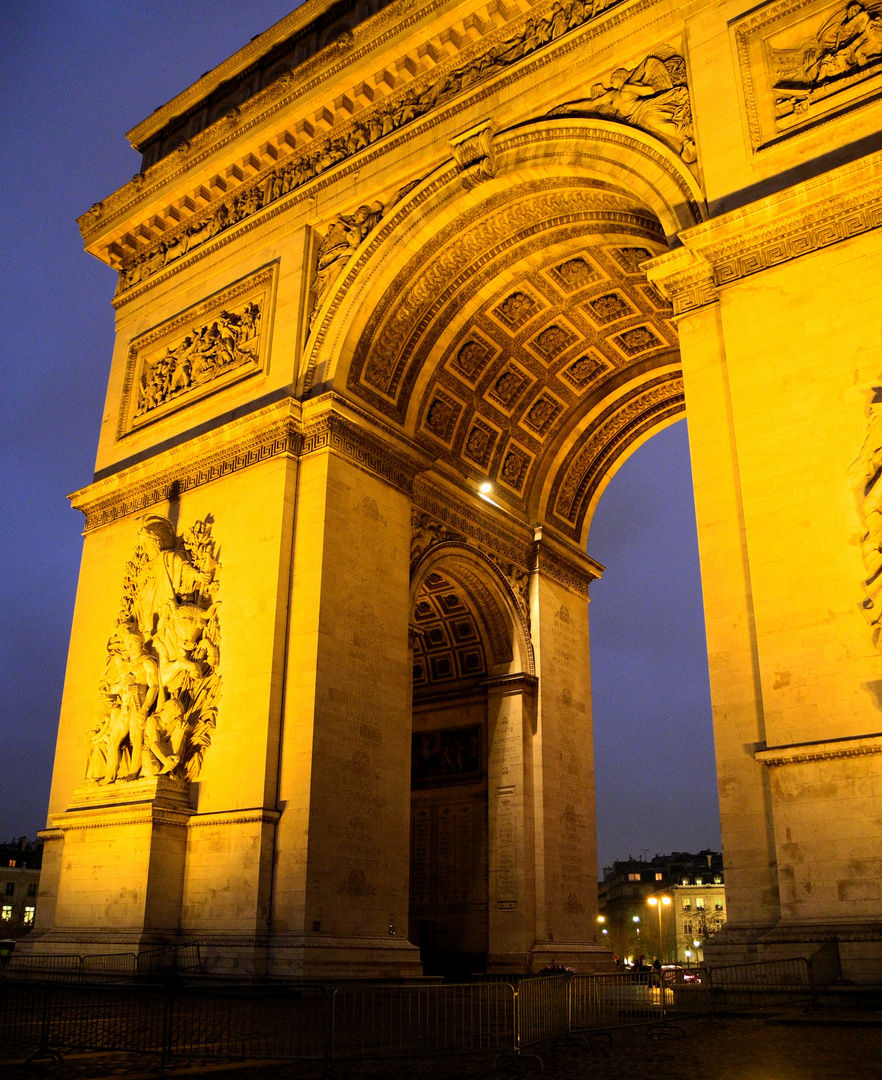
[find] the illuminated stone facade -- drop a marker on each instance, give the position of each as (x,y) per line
(379,257)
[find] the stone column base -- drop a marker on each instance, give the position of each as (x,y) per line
(860,946)
(321,956)
(581,956)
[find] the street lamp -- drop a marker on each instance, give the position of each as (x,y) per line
(659,902)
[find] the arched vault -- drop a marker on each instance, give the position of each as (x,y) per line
(509,329)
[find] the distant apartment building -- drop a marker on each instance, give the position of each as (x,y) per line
(20,862)
(630,925)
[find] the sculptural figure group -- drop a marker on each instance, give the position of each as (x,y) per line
(159,691)
(203,355)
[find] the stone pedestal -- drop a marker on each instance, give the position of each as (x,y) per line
(123,850)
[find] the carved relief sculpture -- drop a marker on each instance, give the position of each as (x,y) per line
(867,471)
(652,96)
(388,117)
(159,692)
(344,236)
(198,352)
(201,357)
(799,63)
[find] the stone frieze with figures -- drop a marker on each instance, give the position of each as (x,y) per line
(158,695)
(201,351)
(805,63)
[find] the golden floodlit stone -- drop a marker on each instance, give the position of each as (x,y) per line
(399,290)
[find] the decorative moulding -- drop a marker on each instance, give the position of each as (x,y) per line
(823,750)
(839,205)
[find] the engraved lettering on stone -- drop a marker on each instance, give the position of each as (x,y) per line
(158,696)
(653,96)
(506,861)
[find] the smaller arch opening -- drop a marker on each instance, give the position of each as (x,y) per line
(461,635)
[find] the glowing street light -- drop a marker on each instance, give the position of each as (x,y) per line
(659,902)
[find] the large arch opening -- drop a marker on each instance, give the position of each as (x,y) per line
(508,332)
(655,768)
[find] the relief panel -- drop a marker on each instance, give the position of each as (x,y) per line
(802,64)
(205,349)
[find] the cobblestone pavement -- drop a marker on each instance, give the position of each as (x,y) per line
(795,1046)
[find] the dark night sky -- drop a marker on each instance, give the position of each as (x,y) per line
(75,75)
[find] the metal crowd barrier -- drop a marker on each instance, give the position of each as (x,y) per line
(423,1021)
(543,1009)
(762,984)
(61,1010)
(167,959)
(287,1023)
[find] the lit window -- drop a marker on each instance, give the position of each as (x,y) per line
(28,916)
(687,904)
(10,888)
(718,906)
(658,876)
(699,903)
(6,912)
(32,889)
(718,880)
(633,877)
(12,863)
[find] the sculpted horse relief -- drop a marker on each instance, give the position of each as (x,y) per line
(160,688)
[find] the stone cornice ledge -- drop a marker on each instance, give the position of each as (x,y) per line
(842,203)
(563,562)
(263,434)
(823,750)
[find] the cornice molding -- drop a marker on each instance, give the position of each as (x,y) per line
(253,194)
(567,567)
(843,203)
(283,428)
(823,750)
(271,432)
(258,815)
(332,431)
(501,534)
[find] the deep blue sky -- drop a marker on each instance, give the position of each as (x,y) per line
(74,77)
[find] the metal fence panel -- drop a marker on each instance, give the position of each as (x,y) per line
(768,982)
(60,968)
(616,1000)
(109,966)
(543,1009)
(290,1023)
(422,1021)
(825,967)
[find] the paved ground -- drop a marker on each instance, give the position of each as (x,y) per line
(842,1045)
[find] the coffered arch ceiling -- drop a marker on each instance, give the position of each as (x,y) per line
(519,341)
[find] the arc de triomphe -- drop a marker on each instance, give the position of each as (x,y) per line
(400,286)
